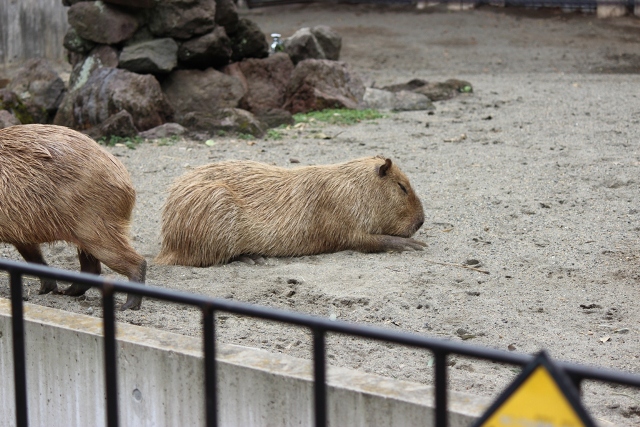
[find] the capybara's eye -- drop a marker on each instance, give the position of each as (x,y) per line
(403,188)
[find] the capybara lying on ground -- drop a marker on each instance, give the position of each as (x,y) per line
(235,209)
(58,184)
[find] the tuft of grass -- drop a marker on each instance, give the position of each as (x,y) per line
(274,134)
(129,142)
(246,136)
(338,116)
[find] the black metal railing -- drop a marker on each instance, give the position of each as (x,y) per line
(319,327)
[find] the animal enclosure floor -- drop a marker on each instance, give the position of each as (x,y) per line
(532,180)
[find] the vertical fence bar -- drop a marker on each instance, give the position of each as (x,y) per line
(19,354)
(110,367)
(440,366)
(211,401)
(319,377)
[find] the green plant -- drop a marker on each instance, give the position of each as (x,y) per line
(246,136)
(128,141)
(338,116)
(274,134)
(170,140)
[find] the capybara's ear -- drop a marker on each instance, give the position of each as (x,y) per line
(383,169)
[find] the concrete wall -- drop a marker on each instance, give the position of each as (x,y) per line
(31,28)
(161,382)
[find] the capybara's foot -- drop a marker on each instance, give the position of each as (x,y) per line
(399,244)
(48,285)
(252,259)
(75,290)
(133,303)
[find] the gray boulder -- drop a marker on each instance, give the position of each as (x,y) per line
(111,90)
(182,19)
(158,56)
(204,91)
(119,124)
(211,50)
(7,119)
(140,4)
(101,23)
(320,42)
(10,102)
(248,41)
(435,91)
(40,88)
(317,84)
(265,81)
(102,56)
(227,15)
(225,119)
(403,100)
(163,131)
(74,43)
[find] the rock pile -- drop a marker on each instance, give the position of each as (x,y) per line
(195,64)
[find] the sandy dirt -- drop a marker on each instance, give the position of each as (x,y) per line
(532,179)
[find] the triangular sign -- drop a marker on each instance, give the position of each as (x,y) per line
(542,395)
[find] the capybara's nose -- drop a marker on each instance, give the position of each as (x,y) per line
(418,225)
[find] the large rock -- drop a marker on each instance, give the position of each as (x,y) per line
(10,102)
(329,40)
(40,88)
(248,41)
(204,91)
(227,15)
(102,56)
(119,124)
(182,19)
(101,23)
(319,42)
(7,119)
(74,43)
(265,81)
(317,84)
(225,119)
(111,90)
(158,56)
(141,4)
(211,50)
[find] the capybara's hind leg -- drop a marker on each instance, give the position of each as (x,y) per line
(32,253)
(88,264)
(121,258)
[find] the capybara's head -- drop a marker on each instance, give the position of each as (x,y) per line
(399,210)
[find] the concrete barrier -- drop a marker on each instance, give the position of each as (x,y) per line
(160,378)
(31,28)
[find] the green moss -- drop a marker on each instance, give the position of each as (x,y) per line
(338,116)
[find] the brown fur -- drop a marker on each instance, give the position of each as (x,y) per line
(223,211)
(58,184)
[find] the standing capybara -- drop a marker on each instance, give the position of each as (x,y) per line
(235,209)
(58,184)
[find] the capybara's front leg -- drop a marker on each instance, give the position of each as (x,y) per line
(386,243)
(88,264)
(32,253)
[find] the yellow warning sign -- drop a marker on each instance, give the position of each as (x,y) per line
(537,402)
(541,396)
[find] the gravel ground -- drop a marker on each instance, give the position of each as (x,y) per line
(532,180)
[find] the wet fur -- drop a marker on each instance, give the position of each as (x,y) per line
(222,211)
(58,184)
